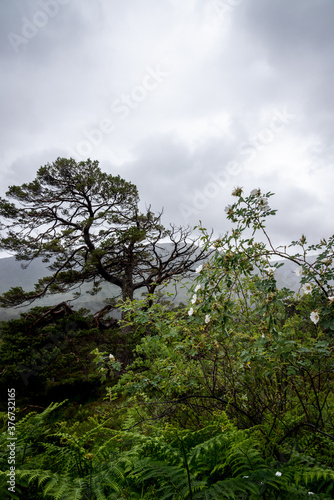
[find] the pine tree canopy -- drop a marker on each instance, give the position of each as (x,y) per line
(87,226)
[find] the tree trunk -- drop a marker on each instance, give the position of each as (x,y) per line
(126,332)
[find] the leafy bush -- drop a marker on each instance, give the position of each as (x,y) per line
(230,397)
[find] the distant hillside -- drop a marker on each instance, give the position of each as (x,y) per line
(14,273)
(286,277)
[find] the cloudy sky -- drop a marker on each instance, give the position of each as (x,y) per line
(186,98)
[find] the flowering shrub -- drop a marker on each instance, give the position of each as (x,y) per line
(242,270)
(229,397)
(261,354)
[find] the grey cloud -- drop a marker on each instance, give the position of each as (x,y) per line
(269,55)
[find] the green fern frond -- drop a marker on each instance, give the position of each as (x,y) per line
(36,475)
(318,474)
(157,448)
(229,489)
(209,453)
(171,480)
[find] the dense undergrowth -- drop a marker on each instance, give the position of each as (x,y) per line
(229,398)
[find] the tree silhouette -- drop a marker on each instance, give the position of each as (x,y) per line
(87,226)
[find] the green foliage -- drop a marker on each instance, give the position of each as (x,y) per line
(105,363)
(216,461)
(245,347)
(231,397)
(48,347)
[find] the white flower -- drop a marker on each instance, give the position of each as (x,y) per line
(207,318)
(111,357)
(307,288)
(227,208)
(198,287)
(299,271)
(245,477)
(191,311)
(331,298)
(199,269)
(193,300)
(263,336)
(278,473)
(310,493)
(314,316)
(265,208)
(255,192)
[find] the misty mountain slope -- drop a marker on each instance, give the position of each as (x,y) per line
(15,273)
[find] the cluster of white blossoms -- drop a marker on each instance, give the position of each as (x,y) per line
(207,318)
(194,298)
(263,203)
(278,473)
(197,289)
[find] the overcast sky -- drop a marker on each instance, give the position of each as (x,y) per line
(185,98)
